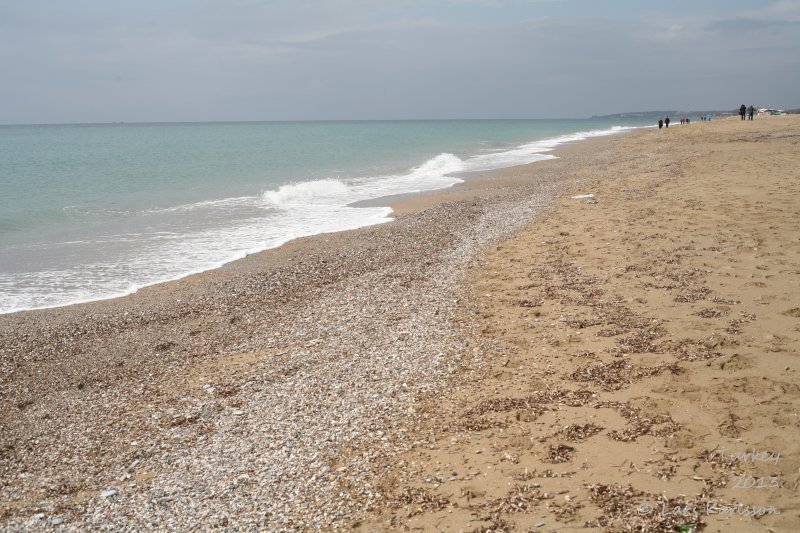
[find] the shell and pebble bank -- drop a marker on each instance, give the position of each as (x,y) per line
(269,394)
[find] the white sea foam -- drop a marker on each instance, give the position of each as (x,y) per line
(170,257)
(303,194)
(440,165)
(534,151)
(239,201)
(322,195)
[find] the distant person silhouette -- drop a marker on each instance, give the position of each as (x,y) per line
(666,122)
(742,111)
(660,123)
(750,111)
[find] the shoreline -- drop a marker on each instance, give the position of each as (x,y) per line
(382,201)
(288,384)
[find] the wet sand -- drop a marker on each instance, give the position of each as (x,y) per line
(500,356)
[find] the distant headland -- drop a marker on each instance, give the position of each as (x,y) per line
(661,114)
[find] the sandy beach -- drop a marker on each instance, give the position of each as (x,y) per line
(606,341)
(644,370)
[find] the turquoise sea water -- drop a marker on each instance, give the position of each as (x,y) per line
(95,211)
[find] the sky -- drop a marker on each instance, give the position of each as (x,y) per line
(85,61)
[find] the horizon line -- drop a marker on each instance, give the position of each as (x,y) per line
(279,121)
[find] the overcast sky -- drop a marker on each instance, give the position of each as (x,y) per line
(182,60)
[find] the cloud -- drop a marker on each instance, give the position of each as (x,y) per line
(740,25)
(339,59)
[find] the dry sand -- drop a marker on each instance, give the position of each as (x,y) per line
(502,356)
(646,342)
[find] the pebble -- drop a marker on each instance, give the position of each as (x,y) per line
(385,315)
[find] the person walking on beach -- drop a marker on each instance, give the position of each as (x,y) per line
(742,111)
(660,123)
(751,110)
(666,122)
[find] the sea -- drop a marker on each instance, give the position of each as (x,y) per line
(95,211)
